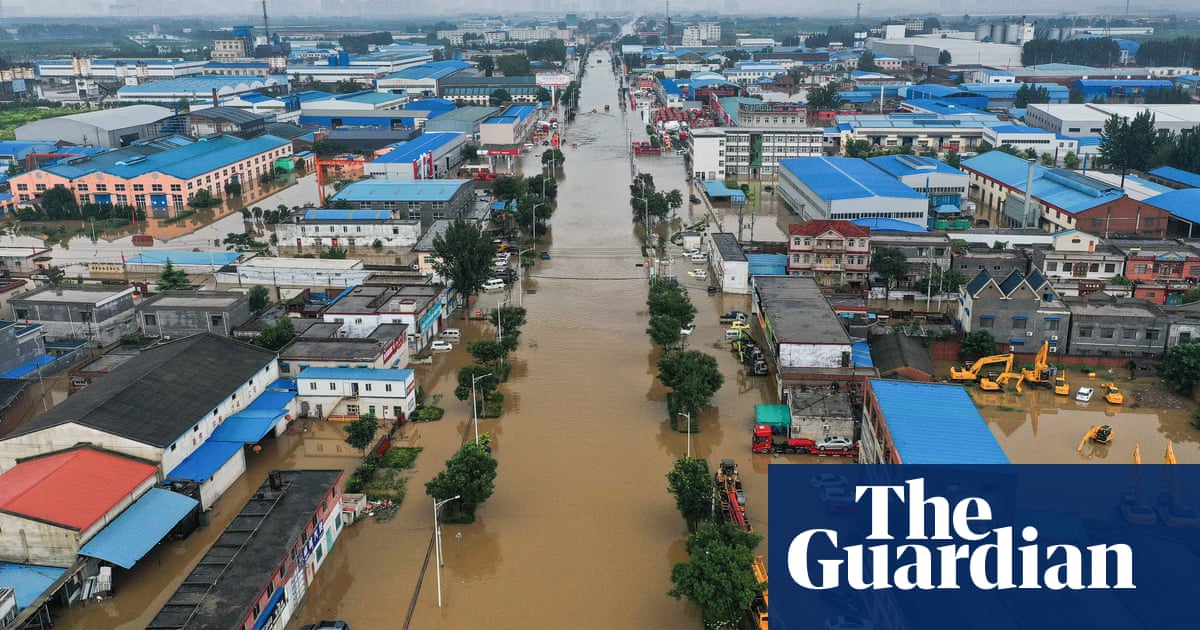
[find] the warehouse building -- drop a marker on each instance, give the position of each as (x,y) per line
(1087,120)
(428,156)
(427,199)
(110,128)
(924,423)
(821,188)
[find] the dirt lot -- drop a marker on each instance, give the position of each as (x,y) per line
(1151,393)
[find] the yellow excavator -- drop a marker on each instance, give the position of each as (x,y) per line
(1098,434)
(1135,510)
(1042,373)
(1171,506)
(1112,393)
(971,372)
(990,384)
(1061,386)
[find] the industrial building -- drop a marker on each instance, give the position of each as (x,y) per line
(431,155)
(818,188)
(304,273)
(1024,138)
(924,423)
(363,308)
(1086,120)
(345,393)
(421,80)
(750,151)
(110,128)
(508,129)
(324,345)
(918,131)
(426,199)
(199,87)
(1110,326)
(462,120)
(314,230)
(99,314)
(475,90)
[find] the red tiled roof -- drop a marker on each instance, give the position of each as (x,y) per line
(817,228)
(72,488)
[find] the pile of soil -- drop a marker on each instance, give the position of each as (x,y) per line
(1154,395)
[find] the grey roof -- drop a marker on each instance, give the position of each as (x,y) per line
(188,300)
(819,402)
(286,131)
(121,117)
(470,114)
(798,311)
(728,246)
(1101,304)
(371,299)
(500,82)
(70,295)
(892,352)
(231,114)
(978,282)
(436,229)
(10,388)
(343,349)
(159,395)
(222,588)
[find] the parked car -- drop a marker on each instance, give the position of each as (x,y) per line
(493,284)
(848,622)
(693,199)
(440,346)
(835,443)
(1085,394)
(687,330)
(544,255)
(699,274)
(327,625)
(734,316)
(699,258)
(734,333)
(452,334)
(825,480)
(688,253)
(835,493)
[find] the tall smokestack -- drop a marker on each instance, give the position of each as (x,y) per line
(216,101)
(1028,194)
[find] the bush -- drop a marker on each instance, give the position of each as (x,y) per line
(355,483)
(390,485)
(429,414)
(401,456)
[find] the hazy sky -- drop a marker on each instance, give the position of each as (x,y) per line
(401,8)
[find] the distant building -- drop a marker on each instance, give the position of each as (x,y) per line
(750,152)
(1086,120)
(363,308)
(837,254)
(1021,312)
(304,273)
(462,120)
(316,229)
(432,155)
(101,315)
(173,314)
(972,258)
(20,343)
(1078,263)
(382,348)
(222,120)
(731,269)
(702,34)
(1161,270)
(803,336)
(823,188)
(1109,326)
(901,357)
(23,261)
(426,199)
(111,128)
(509,128)
(476,90)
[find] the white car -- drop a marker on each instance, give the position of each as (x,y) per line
(441,346)
(835,444)
(1085,394)
(826,480)
(494,284)
(687,330)
(699,274)
(848,622)
(836,493)
(688,253)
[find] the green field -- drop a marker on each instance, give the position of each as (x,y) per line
(10,119)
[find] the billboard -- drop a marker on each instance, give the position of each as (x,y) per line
(553,79)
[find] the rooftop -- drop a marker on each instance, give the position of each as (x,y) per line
(905,165)
(392,190)
(932,423)
(198,86)
(1179,175)
(895,351)
(327,264)
(436,229)
(1056,187)
(728,247)
(1182,204)
(193,299)
(166,374)
(72,295)
(408,152)
(817,228)
(1101,304)
(836,178)
(432,70)
(358,374)
(73,488)
(184,162)
(883,224)
(798,312)
(373,299)
(120,117)
(185,259)
(222,588)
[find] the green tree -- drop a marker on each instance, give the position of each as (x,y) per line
(360,433)
(463,256)
(671,300)
(514,66)
(823,97)
(484,387)
(260,297)
(203,199)
(891,264)
(944,58)
(719,574)
(59,203)
(487,352)
(543,95)
(1047,159)
(1030,93)
(469,152)
(866,62)
(664,330)
(487,64)
(692,487)
(977,343)
(1191,295)
(1181,367)
(335,253)
(952,158)
(508,187)
(1071,161)
(277,335)
(1128,144)
(499,96)
(1075,97)
(512,318)
(172,279)
(554,157)
(693,375)
(539,183)
(470,475)
(55,276)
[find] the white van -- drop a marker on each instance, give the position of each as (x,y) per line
(699,258)
(493,284)
(452,334)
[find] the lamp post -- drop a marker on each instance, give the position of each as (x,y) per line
(533,223)
(500,318)
(437,540)
(520,277)
(688,415)
(474,405)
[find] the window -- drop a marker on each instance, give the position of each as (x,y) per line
(218,321)
(85,316)
(156,188)
(312,386)
(1110,268)
(1140,268)
(81,187)
(352,410)
(1018,323)
(987,322)
(1129,333)
(176,187)
(151,320)
(333,387)
(1185,337)
(387,387)
(1050,324)
(367,386)
(1107,333)
(119,187)
(1067,267)
(22,186)
(22,313)
(1085,332)
(1152,334)
(101,187)
(139,188)
(1051,266)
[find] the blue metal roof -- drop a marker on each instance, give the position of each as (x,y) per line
(431,70)
(371,98)
(394,190)
(185,162)
(28,366)
(204,462)
(718,190)
(141,526)
(1063,189)
(1182,204)
(1186,178)
(883,224)
(407,152)
(1019,129)
(185,258)
(271,400)
(346,215)
(359,374)
(860,354)
(520,112)
(247,426)
(201,86)
(499,206)
(432,105)
(932,423)
(28,581)
(846,178)
(767,264)
(948,108)
(930,90)
(903,165)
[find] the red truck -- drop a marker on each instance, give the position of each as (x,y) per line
(765,441)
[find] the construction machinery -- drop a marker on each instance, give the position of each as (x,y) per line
(1041,373)
(971,372)
(730,496)
(1169,506)
(758,607)
(1112,393)
(1061,386)
(1133,508)
(1100,434)
(995,383)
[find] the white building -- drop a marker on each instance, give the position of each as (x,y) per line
(364,308)
(802,333)
(753,152)
(1087,120)
(728,262)
(347,393)
(295,272)
(314,228)
(702,34)
(1024,138)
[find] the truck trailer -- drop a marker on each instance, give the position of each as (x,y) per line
(767,441)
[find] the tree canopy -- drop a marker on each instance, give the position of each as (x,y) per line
(719,575)
(692,486)
(463,256)
(361,432)
(977,343)
(172,279)
(692,375)
(1181,366)
(1128,144)
(470,475)
(277,335)
(823,97)
(891,264)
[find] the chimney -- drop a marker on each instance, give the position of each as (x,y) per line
(216,103)
(1028,195)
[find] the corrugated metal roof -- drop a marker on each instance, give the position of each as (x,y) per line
(270,400)
(774,415)
(406,152)
(1177,175)
(860,354)
(846,178)
(204,462)
(200,86)
(185,258)
(347,215)
(74,489)
(1183,204)
(248,426)
(135,532)
(121,117)
(28,581)
(360,374)
(932,423)
(883,224)
(385,190)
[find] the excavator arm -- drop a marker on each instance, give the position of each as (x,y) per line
(972,373)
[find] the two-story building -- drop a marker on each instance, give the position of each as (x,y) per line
(361,309)
(1078,263)
(926,252)
(837,254)
(347,393)
(181,313)
(99,314)
(20,343)
(1161,271)
(425,199)
(1021,312)
(750,151)
(373,230)
(971,258)
(1109,326)
(384,347)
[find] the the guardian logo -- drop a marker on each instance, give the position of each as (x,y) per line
(973,555)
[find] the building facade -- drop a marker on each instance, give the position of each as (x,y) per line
(1021,312)
(314,229)
(1076,261)
(181,313)
(101,315)
(1161,270)
(837,254)
(1109,326)
(347,393)
(428,200)
(750,151)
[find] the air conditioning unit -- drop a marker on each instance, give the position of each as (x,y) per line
(1054,338)
(1029,333)
(1053,349)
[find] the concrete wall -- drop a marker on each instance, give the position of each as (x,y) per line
(392,234)
(812,354)
(177,322)
(101,323)
(65,436)
(225,476)
(1137,345)
(24,540)
(17,350)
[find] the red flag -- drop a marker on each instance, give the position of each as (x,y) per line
(122,258)
(133,215)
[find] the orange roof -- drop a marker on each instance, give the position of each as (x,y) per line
(817,228)
(73,488)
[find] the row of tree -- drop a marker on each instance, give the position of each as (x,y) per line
(646,200)
(491,366)
(670,310)
(1096,51)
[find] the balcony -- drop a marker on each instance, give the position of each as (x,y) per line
(827,264)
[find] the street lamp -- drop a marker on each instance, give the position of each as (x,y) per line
(520,276)
(500,318)
(688,415)
(474,405)
(437,540)
(533,222)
